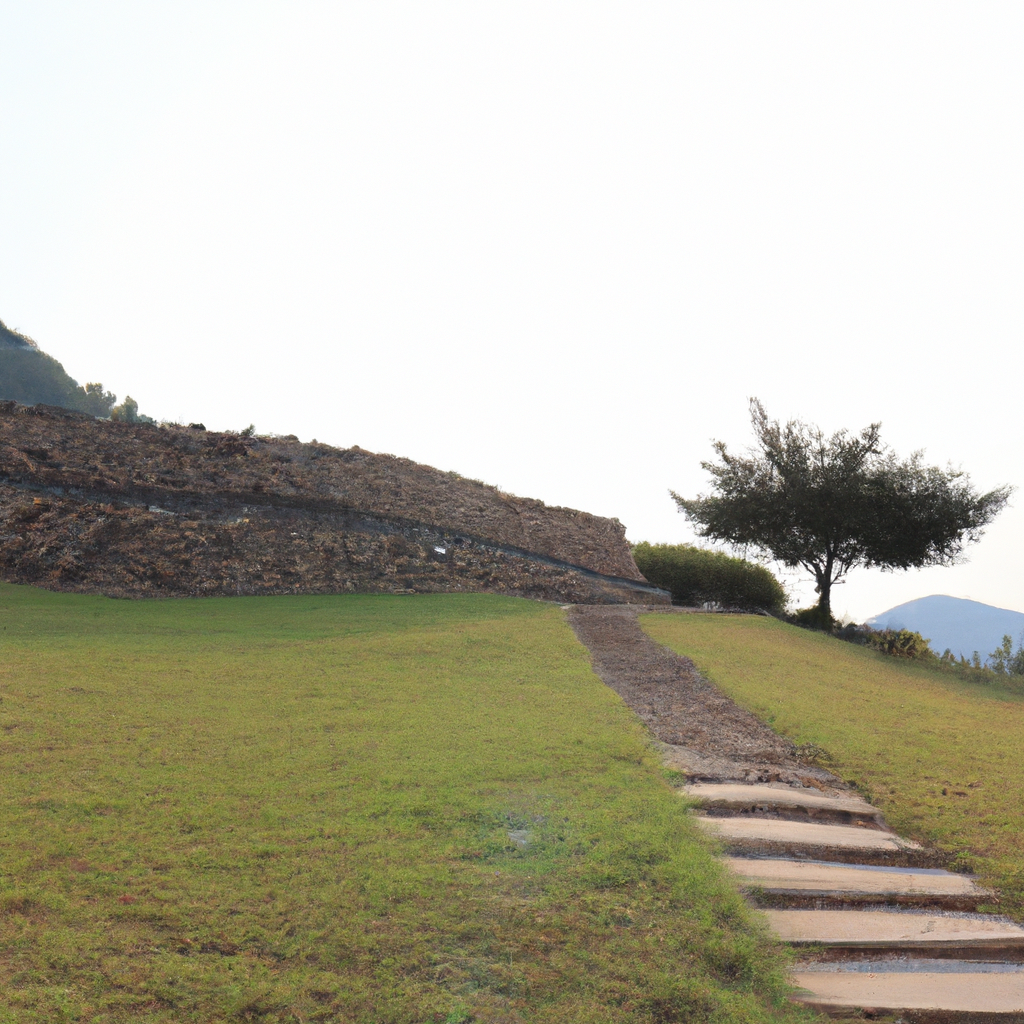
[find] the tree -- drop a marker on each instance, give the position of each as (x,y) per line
(829,504)
(96,401)
(128,412)
(1005,661)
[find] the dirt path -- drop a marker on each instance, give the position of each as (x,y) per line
(702,732)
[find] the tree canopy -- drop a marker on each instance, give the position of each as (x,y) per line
(128,412)
(829,504)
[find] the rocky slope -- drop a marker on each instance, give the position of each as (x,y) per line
(132,510)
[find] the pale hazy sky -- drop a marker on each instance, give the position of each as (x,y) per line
(552,245)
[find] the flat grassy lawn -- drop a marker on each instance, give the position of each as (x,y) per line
(944,759)
(368,809)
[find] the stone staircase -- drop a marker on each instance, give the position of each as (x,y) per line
(882,930)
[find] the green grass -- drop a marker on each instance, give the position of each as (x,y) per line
(942,757)
(299,809)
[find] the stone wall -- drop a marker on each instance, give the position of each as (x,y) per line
(130,510)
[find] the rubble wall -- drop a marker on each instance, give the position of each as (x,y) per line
(132,510)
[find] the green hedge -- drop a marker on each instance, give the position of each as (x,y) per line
(696,576)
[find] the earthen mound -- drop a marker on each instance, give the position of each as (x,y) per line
(137,510)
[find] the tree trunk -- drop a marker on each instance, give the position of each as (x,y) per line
(824,605)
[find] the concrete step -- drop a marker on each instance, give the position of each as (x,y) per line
(812,841)
(782,801)
(824,885)
(922,991)
(903,931)
(919,957)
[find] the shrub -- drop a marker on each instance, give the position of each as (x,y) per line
(814,617)
(696,576)
(900,643)
(897,643)
(128,412)
(1005,665)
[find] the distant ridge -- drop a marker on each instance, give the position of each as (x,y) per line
(29,376)
(14,339)
(955,623)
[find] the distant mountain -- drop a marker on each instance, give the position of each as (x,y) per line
(29,376)
(14,339)
(955,623)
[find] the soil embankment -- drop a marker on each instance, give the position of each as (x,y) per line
(137,510)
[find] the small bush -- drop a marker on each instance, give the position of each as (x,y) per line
(813,618)
(1005,667)
(900,643)
(696,576)
(897,643)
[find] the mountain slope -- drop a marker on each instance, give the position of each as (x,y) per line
(29,376)
(955,623)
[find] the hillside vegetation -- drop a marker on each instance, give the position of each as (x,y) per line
(30,376)
(955,624)
(698,576)
(360,809)
(940,756)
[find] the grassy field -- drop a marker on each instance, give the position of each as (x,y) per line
(366,809)
(943,758)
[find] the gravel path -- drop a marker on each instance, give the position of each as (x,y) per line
(700,730)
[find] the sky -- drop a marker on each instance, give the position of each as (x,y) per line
(556,246)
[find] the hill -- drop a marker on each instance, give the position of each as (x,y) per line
(346,808)
(131,510)
(28,375)
(955,623)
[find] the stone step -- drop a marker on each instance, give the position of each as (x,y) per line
(736,798)
(814,841)
(925,991)
(826,884)
(902,931)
